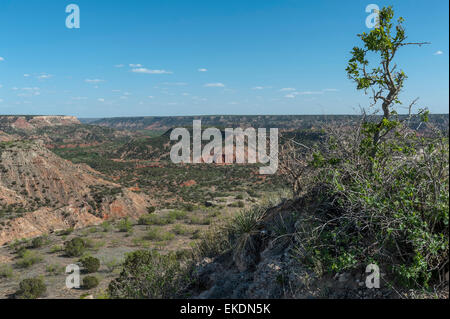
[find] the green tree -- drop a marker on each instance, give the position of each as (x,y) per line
(385,80)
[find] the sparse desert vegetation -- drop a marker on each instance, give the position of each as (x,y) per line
(100,250)
(102,199)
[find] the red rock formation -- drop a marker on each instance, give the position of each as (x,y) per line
(56,193)
(189,183)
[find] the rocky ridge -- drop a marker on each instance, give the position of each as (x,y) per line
(42,193)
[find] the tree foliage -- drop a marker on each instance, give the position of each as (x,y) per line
(382,76)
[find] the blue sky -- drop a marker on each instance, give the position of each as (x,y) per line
(180,57)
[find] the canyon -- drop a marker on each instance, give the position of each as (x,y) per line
(43,193)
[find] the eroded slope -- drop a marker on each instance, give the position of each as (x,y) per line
(40,193)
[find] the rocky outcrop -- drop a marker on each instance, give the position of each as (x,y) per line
(265,265)
(57,131)
(42,121)
(28,123)
(32,171)
(40,192)
(4,137)
(46,220)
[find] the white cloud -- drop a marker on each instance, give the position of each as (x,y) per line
(119,65)
(101,100)
(202,70)
(438,52)
(287,89)
(196,98)
(147,71)
(330,90)
(26,75)
(258,88)
(93,80)
(1,86)
(151,97)
(175,83)
(214,85)
(1,101)
(310,92)
(44,76)
(294,94)
(138,65)
(28,91)
(2,59)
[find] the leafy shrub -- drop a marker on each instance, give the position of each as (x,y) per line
(20,251)
(112,264)
(149,275)
(90,264)
(252,193)
(106,226)
(180,230)
(75,247)
(145,219)
(391,210)
(55,269)
(196,220)
(90,282)
(214,213)
(125,226)
(6,271)
(56,249)
(38,242)
(157,234)
(196,234)
(155,220)
(28,258)
(31,288)
(151,209)
(177,215)
(183,254)
(94,244)
(89,231)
